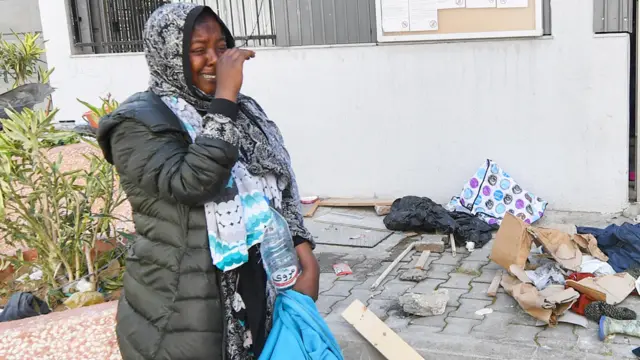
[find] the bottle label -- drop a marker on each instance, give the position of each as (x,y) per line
(285,277)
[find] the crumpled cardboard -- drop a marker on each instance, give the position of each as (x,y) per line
(546,305)
(513,245)
(610,288)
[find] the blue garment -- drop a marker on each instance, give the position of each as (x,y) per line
(620,243)
(299,331)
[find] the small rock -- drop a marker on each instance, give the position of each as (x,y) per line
(416,275)
(382,210)
(425,305)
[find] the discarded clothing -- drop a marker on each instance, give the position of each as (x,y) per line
(636,351)
(491,193)
(23,305)
(598,309)
(594,266)
(545,275)
(412,213)
(582,303)
(299,331)
(620,243)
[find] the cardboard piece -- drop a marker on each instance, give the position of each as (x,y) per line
(589,244)
(514,239)
(546,305)
(560,245)
(610,288)
(512,244)
(569,317)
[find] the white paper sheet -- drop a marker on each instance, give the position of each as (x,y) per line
(478,4)
(423,15)
(395,15)
(513,3)
(450,4)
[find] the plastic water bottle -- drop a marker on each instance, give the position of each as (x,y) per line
(279,256)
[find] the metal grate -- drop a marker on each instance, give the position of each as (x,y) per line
(117,26)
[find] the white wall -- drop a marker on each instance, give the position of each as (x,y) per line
(419,119)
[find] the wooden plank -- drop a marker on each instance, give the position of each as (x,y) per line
(376,332)
(495,285)
(422,260)
(454,252)
(341,202)
(312,209)
(393,265)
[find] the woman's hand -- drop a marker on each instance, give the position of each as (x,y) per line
(229,67)
(309,281)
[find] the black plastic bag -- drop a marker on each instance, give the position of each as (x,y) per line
(421,214)
(23,305)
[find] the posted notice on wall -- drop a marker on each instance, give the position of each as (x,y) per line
(395,15)
(480,4)
(423,15)
(450,4)
(506,4)
(409,15)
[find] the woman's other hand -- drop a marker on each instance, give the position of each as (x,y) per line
(309,281)
(229,67)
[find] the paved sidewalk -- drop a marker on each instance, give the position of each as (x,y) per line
(508,333)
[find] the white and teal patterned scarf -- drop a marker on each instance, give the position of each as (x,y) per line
(237,221)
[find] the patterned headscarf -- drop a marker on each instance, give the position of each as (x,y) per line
(167,53)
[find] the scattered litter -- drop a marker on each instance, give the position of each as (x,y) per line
(470,246)
(84,285)
(422,260)
(569,318)
(491,193)
(454,251)
(415,275)
(595,266)
(609,326)
(342,269)
(356,237)
(36,275)
(598,309)
(621,243)
(425,305)
(309,199)
(23,305)
(610,288)
(412,213)
(546,305)
(392,266)
(378,334)
(546,275)
(495,285)
(312,209)
(485,311)
(81,299)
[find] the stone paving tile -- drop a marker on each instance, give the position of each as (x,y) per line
(471,267)
(478,291)
(454,296)
(422,330)
(364,269)
(468,308)
(366,284)
(325,302)
(427,286)
(458,281)
(340,306)
(505,303)
(438,271)
(589,341)
(499,326)
(433,321)
(394,288)
(448,259)
(410,265)
(492,266)
(397,319)
(340,288)
(459,326)
(486,276)
(559,337)
(326,281)
(480,254)
(380,307)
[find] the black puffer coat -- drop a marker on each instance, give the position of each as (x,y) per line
(171,307)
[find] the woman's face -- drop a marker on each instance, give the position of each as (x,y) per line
(207,44)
